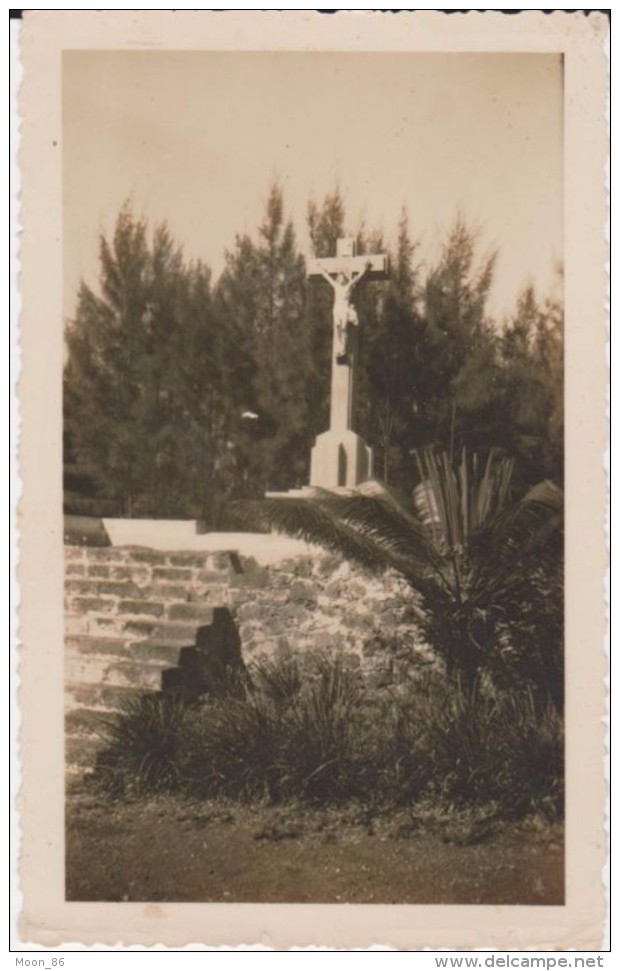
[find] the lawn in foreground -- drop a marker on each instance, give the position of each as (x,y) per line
(166,848)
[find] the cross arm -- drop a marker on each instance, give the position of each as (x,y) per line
(375,267)
(320,271)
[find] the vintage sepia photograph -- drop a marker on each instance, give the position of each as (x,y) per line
(314,615)
(313,471)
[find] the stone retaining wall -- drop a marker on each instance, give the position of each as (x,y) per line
(324,603)
(128,613)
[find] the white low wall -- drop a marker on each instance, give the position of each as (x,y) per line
(181,534)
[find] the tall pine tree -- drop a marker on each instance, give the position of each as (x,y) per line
(394,363)
(459,378)
(145,410)
(532,373)
(261,302)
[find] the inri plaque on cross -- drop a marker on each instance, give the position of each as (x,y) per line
(340,458)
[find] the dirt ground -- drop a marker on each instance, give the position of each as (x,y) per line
(167,849)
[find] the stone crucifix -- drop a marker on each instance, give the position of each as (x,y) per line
(345,314)
(340,458)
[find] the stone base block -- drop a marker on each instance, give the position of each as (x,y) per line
(340,459)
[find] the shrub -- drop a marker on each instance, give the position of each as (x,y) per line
(306,728)
(484,747)
(233,748)
(289,736)
(532,651)
(531,748)
(320,753)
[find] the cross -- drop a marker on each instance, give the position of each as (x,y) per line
(344,272)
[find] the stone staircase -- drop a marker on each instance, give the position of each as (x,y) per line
(145,620)
(128,615)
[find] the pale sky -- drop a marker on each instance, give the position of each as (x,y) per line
(196,138)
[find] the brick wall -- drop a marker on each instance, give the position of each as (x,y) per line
(128,612)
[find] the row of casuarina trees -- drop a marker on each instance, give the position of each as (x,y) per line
(183,391)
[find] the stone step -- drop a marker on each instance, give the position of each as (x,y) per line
(79,554)
(138,628)
(133,619)
(203,588)
(197,612)
(130,555)
(75,625)
(87,722)
(101,697)
(131,627)
(95,670)
(181,559)
(96,625)
(127,608)
(175,633)
(127,589)
(162,652)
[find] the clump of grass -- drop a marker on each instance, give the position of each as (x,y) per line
(142,747)
(306,729)
(279,678)
(233,748)
(484,747)
(290,735)
(531,744)
(321,750)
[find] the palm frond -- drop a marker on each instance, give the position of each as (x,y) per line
(460,500)
(518,538)
(385,522)
(364,529)
(307,519)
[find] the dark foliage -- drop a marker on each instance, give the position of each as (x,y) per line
(309,730)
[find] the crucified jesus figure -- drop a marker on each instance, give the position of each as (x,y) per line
(345,314)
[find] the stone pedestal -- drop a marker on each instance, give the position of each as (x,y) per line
(340,459)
